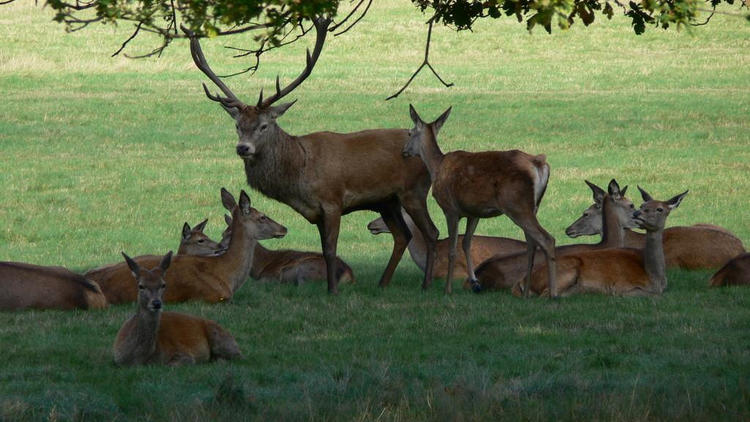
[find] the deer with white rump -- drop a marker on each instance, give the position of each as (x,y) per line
(481,185)
(325,175)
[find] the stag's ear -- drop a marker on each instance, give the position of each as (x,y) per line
(646,197)
(438,123)
(200,226)
(598,192)
(164,264)
(185,231)
(233,111)
(279,110)
(414,116)
(675,202)
(134,268)
(227,200)
(244,203)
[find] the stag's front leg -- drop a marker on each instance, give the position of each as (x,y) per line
(329,236)
(471,226)
(401,237)
(452,221)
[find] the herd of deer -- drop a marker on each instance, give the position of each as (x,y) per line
(325,175)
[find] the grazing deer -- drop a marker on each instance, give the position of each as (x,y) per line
(25,286)
(482,248)
(167,338)
(507,271)
(736,272)
(325,175)
(210,278)
(481,185)
(625,272)
(696,247)
(195,242)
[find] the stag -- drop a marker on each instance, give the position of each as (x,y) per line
(325,175)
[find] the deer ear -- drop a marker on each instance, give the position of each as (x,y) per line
(185,231)
(675,202)
(623,190)
(414,115)
(233,111)
(244,203)
(279,110)
(227,200)
(438,123)
(134,268)
(200,226)
(164,264)
(598,192)
(614,188)
(646,197)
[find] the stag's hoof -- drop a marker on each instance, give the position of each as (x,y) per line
(475,286)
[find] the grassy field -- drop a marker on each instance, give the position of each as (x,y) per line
(102,155)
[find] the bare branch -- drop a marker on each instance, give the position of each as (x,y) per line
(155,52)
(6,2)
(369,3)
(137,28)
(426,62)
(707,19)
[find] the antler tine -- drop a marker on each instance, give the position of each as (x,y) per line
(260,99)
(321,29)
(200,61)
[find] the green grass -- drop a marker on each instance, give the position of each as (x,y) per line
(102,155)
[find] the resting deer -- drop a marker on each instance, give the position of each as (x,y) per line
(167,338)
(482,248)
(195,242)
(506,271)
(736,272)
(481,185)
(210,278)
(625,272)
(700,246)
(324,175)
(25,286)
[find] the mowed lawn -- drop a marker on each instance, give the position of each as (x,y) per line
(102,155)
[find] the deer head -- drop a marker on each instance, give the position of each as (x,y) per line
(422,133)
(653,214)
(256,125)
(590,223)
(256,224)
(151,284)
(195,242)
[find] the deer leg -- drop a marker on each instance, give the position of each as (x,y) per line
(453,239)
(471,226)
(392,218)
(546,242)
(530,253)
(329,236)
(417,210)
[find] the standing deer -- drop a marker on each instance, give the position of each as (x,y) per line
(195,242)
(167,338)
(210,278)
(626,272)
(696,247)
(736,272)
(25,286)
(324,175)
(482,248)
(507,271)
(482,185)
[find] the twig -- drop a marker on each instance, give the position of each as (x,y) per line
(426,62)
(349,15)
(364,12)
(137,28)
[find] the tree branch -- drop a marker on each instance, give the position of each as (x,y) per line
(369,3)
(426,62)
(137,28)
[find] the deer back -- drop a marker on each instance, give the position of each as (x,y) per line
(736,272)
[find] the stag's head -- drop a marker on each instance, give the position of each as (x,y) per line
(256,125)
(652,215)
(591,222)
(422,134)
(151,284)
(256,224)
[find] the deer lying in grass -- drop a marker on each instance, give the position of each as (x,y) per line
(506,271)
(210,278)
(696,247)
(482,185)
(167,338)
(625,272)
(25,286)
(195,242)
(270,265)
(736,272)
(482,248)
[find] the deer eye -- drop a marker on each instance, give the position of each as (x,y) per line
(632,206)
(263,218)
(263,127)
(140,287)
(660,209)
(200,240)
(163,285)
(586,214)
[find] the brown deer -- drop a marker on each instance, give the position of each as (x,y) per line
(195,242)
(696,247)
(625,272)
(210,278)
(25,286)
(286,266)
(481,185)
(736,272)
(167,338)
(325,175)
(482,248)
(506,271)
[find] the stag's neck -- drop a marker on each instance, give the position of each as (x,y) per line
(237,261)
(278,167)
(432,157)
(613,235)
(653,259)
(146,335)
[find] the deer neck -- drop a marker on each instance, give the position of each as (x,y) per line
(653,259)
(235,264)
(613,234)
(277,167)
(259,261)
(146,334)
(432,156)
(417,246)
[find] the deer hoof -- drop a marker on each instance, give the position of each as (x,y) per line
(475,286)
